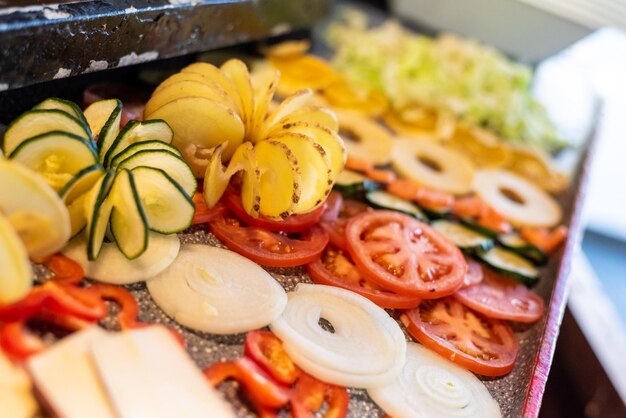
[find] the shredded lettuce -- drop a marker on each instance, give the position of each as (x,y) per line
(448,73)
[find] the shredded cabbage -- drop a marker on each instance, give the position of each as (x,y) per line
(475,82)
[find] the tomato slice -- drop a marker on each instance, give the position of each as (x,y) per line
(336,228)
(293,223)
(502,297)
(474,273)
(405,255)
(268,248)
(203,213)
(310,394)
(267,351)
(482,345)
(336,268)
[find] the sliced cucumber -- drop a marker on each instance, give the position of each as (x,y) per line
(110,130)
(37,122)
(129,224)
(78,220)
(66,106)
(434,214)
(57,156)
(171,163)
(384,200)
(520,246)
(97,212)
(98,113)
(466,239)
(134,132)
(168,208)
(81,183)
(354,185)
(471,224)
(142,146)
(511,264)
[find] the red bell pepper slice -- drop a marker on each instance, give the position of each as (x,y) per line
(309,395)
(129,310)
(17,342)
(66,270)
(267,351)
(257,385)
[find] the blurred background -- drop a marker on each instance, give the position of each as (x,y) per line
(578,50)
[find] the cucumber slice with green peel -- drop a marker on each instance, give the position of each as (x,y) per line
(134,132)
(142,146)
(129,224)
(471,224)
(168,208)
(383,200)
(76,210)
(66,106)
(511,264)
(434,214)
(171,163)
(109,131)
(466,239)
(354,185)
(98,113)
(57,156)
(36,122)
(98,209)
(81,183)
(519,245)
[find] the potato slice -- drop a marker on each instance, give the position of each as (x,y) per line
(245,160)
(238,73)
(263,98)
(187,88)
(304,71)
(316,115)
(364,138)
(288,106)
(202,122)
(213,73)
(317,176)
(343,94)
(35,210)
(280,179)
(330,141)
(288,49)
(216,177)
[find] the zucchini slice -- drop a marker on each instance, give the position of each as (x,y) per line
(81,183)
(511,264)
(471,224)
(36,122)
(141,146)
(354,185)
(466,239)
(169,162)
(134,132)
(66,106)
(110,129)
(167,207)
(57,156)
(383,200)
(98,114)
(98,208)
(129,224)
(519,245)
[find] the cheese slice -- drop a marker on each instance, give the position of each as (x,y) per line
(147,373)
(67,380)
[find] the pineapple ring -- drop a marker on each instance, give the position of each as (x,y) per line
(364,139)
(519,200)
(433,165)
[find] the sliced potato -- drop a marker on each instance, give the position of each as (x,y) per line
(364,138)
(330,141)
(188,88)
(315,166)
(344,95)
(202,122)
(238,73)
(216,177)
(213,73)
(280,180)
(245,160)
(288,49)
(301,72)
(15,271)
(433,165)
(316,115)
(264,95)
(288,106)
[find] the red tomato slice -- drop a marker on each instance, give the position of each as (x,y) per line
(267,248)
(267,351)
(405,255)
(293,223)
(203,213)
(337,228)
(336,268)
(482,345)
(502,297)
(474,273)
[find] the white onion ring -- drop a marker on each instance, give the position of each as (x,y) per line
(113,267)
(431,386)
(218,291)
(366,349)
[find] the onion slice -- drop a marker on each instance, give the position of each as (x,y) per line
(365,347)
(431,386)
(218,291)
(113,267)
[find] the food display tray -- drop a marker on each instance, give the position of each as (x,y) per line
(519,393)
